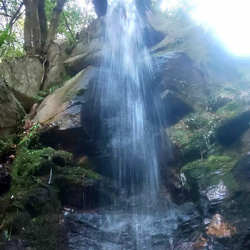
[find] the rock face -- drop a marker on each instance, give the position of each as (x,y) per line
(11,111)
(232,129)
(63,110)
(87,52)
(24,77)
(57,54)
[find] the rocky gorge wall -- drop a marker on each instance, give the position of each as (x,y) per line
(51,163)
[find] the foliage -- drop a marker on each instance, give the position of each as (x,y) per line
(43,93)
(195,135)
(73,17)
(71,21)
(11,26)
(29,133)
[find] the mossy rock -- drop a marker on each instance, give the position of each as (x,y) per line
(194,135)
(36,163)
(43,232)
(14,223)
(208,172)
(75,175)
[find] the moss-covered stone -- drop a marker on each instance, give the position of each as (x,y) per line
(36,163)
(194,135)
(210,171)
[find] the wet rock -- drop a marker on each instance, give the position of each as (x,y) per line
(63,110)
(220,229)
(14,245)
(216,102)
(11,112)
(244,144)
(82,188)
(241,171)
(201,173)
(175,107)
(175,72)
(217,193)
(24,77)
(194,135)
(152,36)
(232,129)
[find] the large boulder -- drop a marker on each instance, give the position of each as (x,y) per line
(56,74)
(77,63)
(63,110)
(24,77)
(181,84)
(11,111)
(232,129)
(87,51)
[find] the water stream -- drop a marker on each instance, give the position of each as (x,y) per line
(126,72)
(123,102)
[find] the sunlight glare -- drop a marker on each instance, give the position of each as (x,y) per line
(230,20)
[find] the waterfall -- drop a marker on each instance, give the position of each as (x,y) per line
(127,131)
(123,94)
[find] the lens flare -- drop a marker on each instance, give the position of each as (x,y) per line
(228,19)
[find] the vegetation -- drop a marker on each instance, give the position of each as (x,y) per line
(29,26)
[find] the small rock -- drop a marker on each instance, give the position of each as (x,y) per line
(218,192)
(219,228)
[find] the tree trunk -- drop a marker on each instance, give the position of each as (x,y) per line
(36,32)
(28,28)
(54,23)
(43,21)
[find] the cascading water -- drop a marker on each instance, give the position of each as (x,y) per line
(125,73)
(123,105)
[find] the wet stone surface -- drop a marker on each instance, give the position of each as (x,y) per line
(131,225)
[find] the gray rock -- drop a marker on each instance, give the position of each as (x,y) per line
(11,111)
(217,193)
(232,129)
(57,54)
(24,77)
(77,63)
(63,110)
(244,144)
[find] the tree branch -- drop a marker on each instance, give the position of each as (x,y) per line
(67,24)
(4,7)
(15,16)
(4,14)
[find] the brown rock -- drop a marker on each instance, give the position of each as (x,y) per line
(219,228)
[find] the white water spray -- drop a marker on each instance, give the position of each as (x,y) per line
(125,75)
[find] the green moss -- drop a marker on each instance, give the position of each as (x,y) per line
(72,93)
(231,110)
(194,135)
(76,175)
(35,162)
(212,163)
(210,171)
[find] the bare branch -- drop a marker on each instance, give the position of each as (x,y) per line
(14,17)
(67,24)
(4,14)
(4,7)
